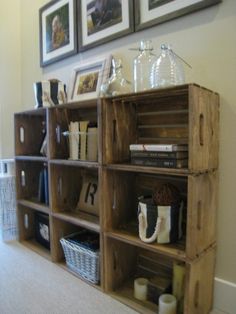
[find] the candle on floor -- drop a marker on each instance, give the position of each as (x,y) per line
(140,288)
(167,304)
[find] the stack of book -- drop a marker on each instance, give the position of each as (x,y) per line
(160,155)
(82,140)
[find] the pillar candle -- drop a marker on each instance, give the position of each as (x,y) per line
(167,304)
(178,284)
(140,288)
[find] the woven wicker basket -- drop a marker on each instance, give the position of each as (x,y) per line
(84,261)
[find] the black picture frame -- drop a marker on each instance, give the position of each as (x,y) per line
(62,41)
(95,28)
(152,12)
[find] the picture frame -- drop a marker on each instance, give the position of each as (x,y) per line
(58,31)
(98,25)
(87,78)
(151,12)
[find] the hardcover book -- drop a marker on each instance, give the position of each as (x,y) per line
(46,192)
(161,163)
(153,154)
(74,140)
(83,128)
(92,151)
(41,190)
(159,147)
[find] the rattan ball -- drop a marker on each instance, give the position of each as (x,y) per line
(166,195)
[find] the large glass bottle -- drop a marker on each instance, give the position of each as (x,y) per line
(142,66)
(167,70)
(116,84)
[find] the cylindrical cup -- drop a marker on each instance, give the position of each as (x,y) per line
(167,304)
(140,288)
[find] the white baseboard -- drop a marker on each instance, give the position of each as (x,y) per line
(225,296)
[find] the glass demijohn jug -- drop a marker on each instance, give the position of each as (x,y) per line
(167,70)
(142,66)
(116,84)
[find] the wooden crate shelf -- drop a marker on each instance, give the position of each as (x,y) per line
(34,205)
(82,104)
(32,158)
(186,114)
(81,219)
(77,163)
(151,170)
(174,251)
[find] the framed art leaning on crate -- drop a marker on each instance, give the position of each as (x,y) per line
(87,78)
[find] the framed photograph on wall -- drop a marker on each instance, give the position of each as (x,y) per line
(152,12)
(87,78)
(58,31)
(103,20)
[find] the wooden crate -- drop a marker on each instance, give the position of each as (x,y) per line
(199,194)
(66,185)
(59,119)
(187,114)
(122,269)
(61,228)
(30,130)
(27,179)
(27,230)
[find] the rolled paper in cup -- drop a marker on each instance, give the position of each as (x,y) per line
(167,304)
(140,288)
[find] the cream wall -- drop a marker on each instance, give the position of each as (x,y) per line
(10,70)
(31,71)
(206,39)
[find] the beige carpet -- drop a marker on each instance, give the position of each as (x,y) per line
(30,284)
